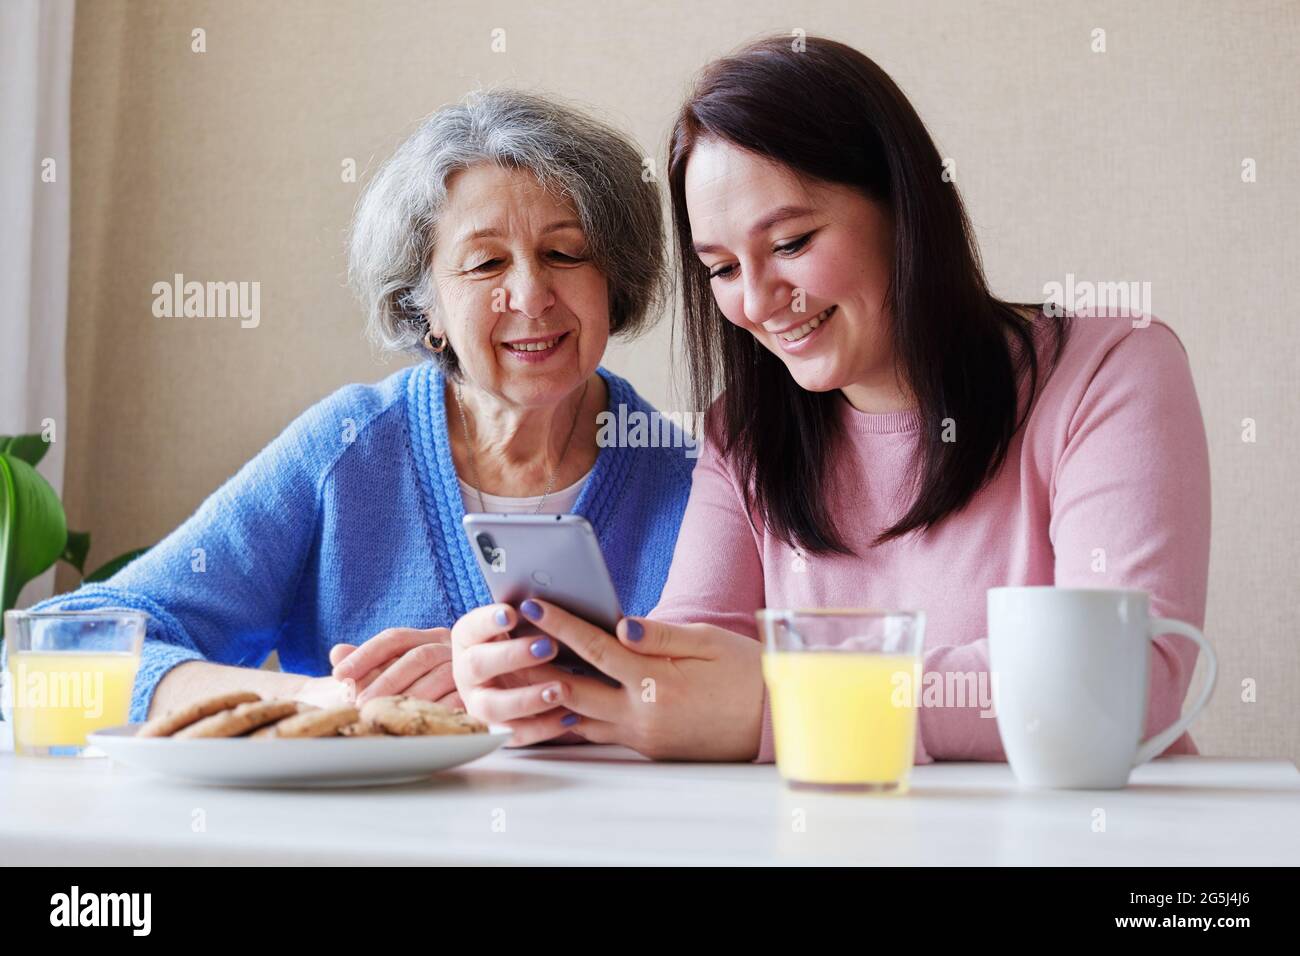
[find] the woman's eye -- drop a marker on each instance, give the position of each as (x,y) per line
(794,245)
(722,272)
(486,266)
(565,257)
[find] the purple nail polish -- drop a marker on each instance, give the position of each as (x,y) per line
(569,719)
(634,630)
(501,617)
(531,610)
(541,647)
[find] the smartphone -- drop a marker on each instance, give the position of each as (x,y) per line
(553,557)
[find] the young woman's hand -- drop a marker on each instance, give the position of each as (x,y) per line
(690,692)
(401,660)
(509,681)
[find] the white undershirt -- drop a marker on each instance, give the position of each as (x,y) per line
(557,502)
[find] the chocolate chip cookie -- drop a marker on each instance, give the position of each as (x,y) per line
(167,724)
(410,716)
(240,719)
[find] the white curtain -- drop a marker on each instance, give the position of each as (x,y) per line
(35,181)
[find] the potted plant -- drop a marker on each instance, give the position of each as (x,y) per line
(33,527)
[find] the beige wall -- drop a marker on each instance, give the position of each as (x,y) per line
(1123,165)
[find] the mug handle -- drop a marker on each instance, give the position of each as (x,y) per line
(1157,743)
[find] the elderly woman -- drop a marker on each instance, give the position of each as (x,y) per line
(505,241)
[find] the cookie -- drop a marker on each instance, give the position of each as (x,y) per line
(409,716)
(314,723)
(359,728)
(167,724)
(269,729)
(240,720)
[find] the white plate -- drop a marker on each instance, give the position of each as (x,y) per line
(313,762)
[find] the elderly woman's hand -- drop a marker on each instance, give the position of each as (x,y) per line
(401,660)
(690,692)
(509,681)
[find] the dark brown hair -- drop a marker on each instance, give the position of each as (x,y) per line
(829,113)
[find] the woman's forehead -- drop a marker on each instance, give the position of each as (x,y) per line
(490,188)
(727,184)
(489,202)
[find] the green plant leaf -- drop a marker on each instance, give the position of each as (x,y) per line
(30,448)
(106,571)
(75,551)
(33,528)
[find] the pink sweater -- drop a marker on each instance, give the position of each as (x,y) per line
(1113,457)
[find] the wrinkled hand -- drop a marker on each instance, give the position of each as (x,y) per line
(324,692)
(400,660)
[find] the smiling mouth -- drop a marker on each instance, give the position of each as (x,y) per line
(807,329)
(538,345)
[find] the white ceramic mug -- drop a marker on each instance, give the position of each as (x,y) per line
(1070,676)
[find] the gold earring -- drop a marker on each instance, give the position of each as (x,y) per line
(430,338)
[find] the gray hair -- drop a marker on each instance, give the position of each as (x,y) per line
(572,155)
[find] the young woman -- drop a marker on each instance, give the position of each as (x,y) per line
(889,433)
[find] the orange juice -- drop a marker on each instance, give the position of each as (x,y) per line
(843,717)
(60,696)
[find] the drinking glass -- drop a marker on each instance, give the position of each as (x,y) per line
(69,673)
(843,685)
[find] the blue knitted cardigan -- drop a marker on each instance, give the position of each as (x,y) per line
(349,522)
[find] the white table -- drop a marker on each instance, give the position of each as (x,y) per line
(607,805)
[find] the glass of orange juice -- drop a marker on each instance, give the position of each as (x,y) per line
(69,673)
(843,685)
